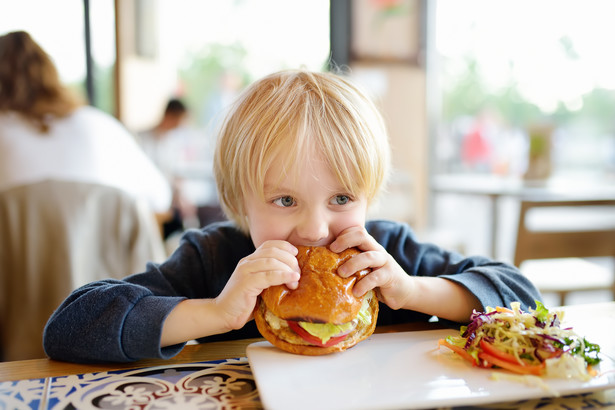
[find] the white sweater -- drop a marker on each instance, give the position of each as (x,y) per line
(88,146)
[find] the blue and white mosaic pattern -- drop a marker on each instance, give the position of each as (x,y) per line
(208,385)
(225,384)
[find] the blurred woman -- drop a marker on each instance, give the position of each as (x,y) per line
(47,133)
(73,190)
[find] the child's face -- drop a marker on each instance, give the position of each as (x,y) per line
(307,207)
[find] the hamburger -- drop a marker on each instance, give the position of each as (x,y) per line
(322,315)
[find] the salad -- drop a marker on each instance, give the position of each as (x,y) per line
(526,343)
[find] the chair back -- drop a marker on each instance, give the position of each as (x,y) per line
(585,237)
(56,236)
(567,230)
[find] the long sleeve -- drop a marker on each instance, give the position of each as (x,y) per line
(110,320)
(121,320)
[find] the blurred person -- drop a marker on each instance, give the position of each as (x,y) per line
(46,132)
(76,196)
(168,148)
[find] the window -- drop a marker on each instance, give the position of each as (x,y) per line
(215,48)
(519,77)
(65,41)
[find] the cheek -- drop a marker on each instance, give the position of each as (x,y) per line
(264,227)
(348,219)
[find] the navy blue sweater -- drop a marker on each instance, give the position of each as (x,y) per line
(121,320)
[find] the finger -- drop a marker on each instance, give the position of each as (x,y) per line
(256,282)
(279,244)
(266,266)
(362,287)
(292,285)
(274,278)
(346,239)
(288,272)
(269,257)
(354,237)
(369,282)
(363,260)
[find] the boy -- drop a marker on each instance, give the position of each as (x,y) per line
(300,157)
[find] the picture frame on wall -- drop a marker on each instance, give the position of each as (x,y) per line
(386,31)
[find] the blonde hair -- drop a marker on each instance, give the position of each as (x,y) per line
(289,114)
(29,81)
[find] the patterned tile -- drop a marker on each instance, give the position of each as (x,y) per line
(23,394)
(207,385)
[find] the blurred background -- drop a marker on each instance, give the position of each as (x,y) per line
(482,99)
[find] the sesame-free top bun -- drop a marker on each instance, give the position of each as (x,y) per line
(321,297)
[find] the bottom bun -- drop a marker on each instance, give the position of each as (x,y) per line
(280,337)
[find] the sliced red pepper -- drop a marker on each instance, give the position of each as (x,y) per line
(513,367)
(316,341)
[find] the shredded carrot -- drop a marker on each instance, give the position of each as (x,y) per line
(536,370)
(457,350)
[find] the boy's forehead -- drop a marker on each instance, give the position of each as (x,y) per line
(289,173)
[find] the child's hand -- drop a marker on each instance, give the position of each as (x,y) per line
(392,285)
(273,263)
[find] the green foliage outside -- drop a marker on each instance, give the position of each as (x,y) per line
(203,78)
(104,89)
(468,94)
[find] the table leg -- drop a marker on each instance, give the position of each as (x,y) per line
(494,225)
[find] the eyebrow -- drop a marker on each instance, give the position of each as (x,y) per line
(270,189)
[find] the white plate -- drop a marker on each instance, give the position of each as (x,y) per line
(393,370)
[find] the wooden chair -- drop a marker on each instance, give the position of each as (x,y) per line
(554,237)
(56,236)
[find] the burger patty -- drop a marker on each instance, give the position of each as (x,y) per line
(281,328)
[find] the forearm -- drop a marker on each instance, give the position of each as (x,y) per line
(192,319)
(442,298)
(115,322)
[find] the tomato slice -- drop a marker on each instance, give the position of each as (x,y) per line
(516,368)
(494,351)
(305,335)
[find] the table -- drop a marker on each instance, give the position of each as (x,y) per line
(494,187)
(218,374)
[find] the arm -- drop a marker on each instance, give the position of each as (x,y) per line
(122,321)
(202,290)
(110,320)
(273,263)
(427,279)
(425,295)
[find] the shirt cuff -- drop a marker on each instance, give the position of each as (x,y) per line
(142,328)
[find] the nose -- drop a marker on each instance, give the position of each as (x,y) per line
(313,228)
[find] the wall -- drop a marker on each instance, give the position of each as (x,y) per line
(143,83)
(399,91)
(387,45)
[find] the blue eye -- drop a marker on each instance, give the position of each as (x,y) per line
(284,201)
(340,200)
